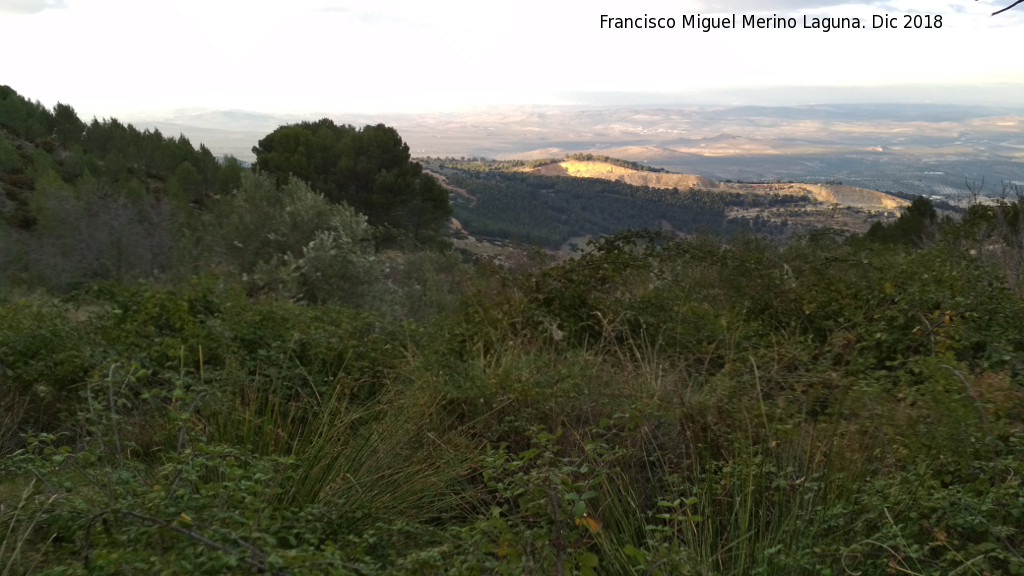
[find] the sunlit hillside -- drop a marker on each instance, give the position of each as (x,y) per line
(850,196)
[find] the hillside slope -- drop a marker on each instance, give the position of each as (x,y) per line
(846,196)
(607,171)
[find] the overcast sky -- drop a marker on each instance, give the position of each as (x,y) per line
(122,57)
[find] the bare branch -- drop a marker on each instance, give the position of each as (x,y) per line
(1007,8)
(974,188)
(254,563)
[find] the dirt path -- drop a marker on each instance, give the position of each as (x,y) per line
(444,182)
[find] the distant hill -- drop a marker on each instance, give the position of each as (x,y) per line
(853,196)
(846,196)
(558,202)
(609,171)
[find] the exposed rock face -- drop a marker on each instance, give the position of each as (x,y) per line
(825,193)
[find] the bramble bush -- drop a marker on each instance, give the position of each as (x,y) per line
(657,406)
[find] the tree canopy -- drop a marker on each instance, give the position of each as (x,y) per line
(368,168)
(911,229)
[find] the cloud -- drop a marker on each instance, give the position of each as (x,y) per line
(383,12)
(30,6)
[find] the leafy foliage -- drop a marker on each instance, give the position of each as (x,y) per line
(294,242)
(281,398)
(913,226)
(103,200)
(368,168)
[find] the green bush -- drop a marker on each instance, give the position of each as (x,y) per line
(45,356)
(656,406)
(294,243)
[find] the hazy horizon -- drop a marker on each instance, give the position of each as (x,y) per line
(542,78)
(123,58)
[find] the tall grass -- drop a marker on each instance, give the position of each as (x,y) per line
(389,459)
(701,473)
(21,521)
(382,463)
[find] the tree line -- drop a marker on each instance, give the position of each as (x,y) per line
(85,201)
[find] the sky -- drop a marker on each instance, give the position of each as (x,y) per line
(126,57)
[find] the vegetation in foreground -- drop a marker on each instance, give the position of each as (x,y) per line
(284,397)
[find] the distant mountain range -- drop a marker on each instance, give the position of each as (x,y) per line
(928,149)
